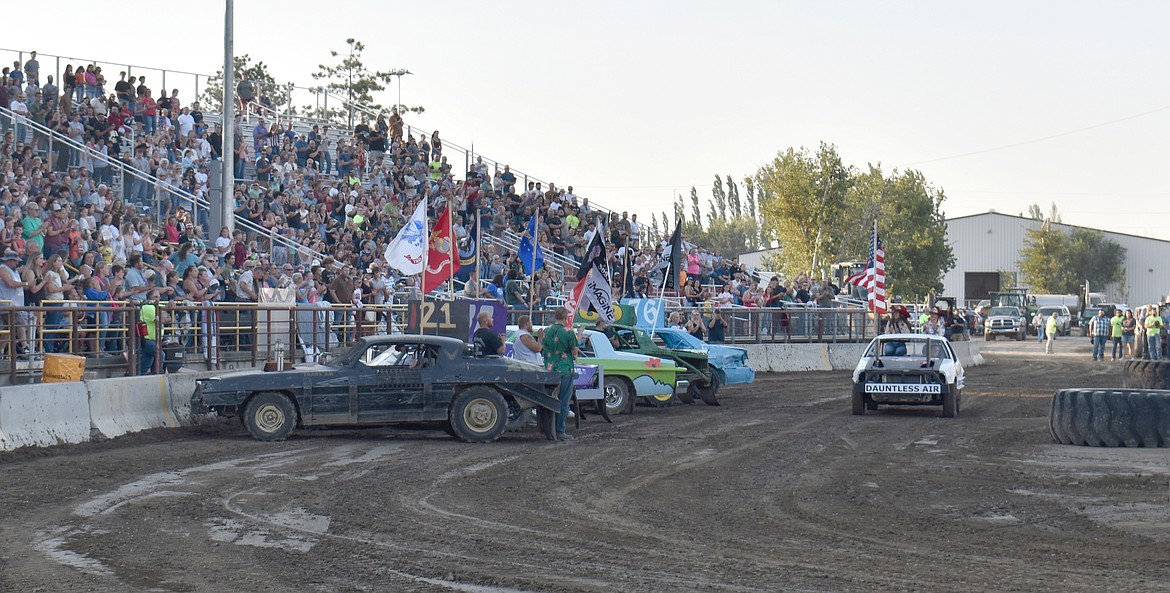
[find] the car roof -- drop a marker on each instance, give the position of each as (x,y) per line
(911,337)
(415,339)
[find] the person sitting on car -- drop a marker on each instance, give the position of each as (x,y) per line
(487,341)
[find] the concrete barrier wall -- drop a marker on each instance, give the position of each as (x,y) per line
(968,353)
(130,404)
(180,387)
(43,415)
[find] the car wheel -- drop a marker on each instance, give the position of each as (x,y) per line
(270,416)
(950,401)
(660,401)
(858,402)
(618,398)
(708,393)
(479,414)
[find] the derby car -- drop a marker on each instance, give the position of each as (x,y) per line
(385,380)
(729,362)
(908,369)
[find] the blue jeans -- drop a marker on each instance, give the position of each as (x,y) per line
(1099,347)
(146,355)
(1154,341)
(565,393)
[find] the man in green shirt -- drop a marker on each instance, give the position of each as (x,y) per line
(559,351)
(1153,323)
(1115,328)
(1050,331)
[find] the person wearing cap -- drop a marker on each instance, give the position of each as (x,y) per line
(12,289)
(899,321)
(935,325)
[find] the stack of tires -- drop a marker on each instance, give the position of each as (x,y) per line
(1111,417)
(1135,416)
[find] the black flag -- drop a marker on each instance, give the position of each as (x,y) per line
(674,257)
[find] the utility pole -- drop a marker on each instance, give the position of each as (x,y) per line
(227,191)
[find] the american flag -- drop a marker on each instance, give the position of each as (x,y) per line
(875,274)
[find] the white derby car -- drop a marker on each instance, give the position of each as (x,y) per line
(908,369)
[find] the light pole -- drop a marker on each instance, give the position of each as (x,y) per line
(227,185)
(400,73)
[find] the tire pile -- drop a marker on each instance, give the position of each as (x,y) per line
(1135,416)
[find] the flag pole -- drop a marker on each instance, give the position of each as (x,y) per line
(478,252)
(423,282)
(871,300)
(532,265)
(452,247)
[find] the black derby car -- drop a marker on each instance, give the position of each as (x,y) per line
(385,380)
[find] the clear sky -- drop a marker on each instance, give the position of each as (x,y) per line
(632,102)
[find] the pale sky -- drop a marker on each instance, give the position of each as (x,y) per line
(632,102)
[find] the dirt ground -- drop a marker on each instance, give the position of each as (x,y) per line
(779,489)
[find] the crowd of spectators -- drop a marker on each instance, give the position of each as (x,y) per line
(323,206)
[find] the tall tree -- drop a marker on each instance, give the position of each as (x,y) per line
(212,96)
(655,233)
(806,199)
(696,217)
(719,196)
(733,198)
(351,80)
(1059,262)
(749,186)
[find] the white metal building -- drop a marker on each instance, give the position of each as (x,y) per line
(987,251)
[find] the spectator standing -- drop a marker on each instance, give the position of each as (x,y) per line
(559,350)
(1153,324)
(1099,328)
(1050,330)
(32,69)
(1116,332)
(1128,329)
(487,341)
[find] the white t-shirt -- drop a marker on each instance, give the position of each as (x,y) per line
(186,124)
(222,244)
(522,352)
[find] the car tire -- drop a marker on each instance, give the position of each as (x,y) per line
(950,402)
(660,401)
(1146,374)
(1111,418)
(517,417)
(479,414)
(619,397)
(270,416)
(858,402)
(709,392)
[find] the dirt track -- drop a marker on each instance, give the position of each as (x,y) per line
(780,489)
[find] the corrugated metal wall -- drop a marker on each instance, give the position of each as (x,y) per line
(991,242)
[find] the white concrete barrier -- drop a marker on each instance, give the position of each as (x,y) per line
(130,404)
(968,353)
(43,415)
(757,357)
(844,357)
(786,358)
(181,387)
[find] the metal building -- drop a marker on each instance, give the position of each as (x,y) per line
(987,251)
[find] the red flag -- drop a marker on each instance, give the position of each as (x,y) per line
(440,265)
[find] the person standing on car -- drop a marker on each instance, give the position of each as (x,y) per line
(1099,328)
(1050,330)
(1153,324)
(1115,332)
(559,348)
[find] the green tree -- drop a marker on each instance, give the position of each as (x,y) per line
(719,196)
(806,198)
(351,80)
(1059,262)
(733,203)
(696,217)
(211,99)
(655,231)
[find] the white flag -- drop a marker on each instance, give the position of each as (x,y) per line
(596,293)
(407,253)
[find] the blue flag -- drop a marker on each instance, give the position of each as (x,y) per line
(531,255)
